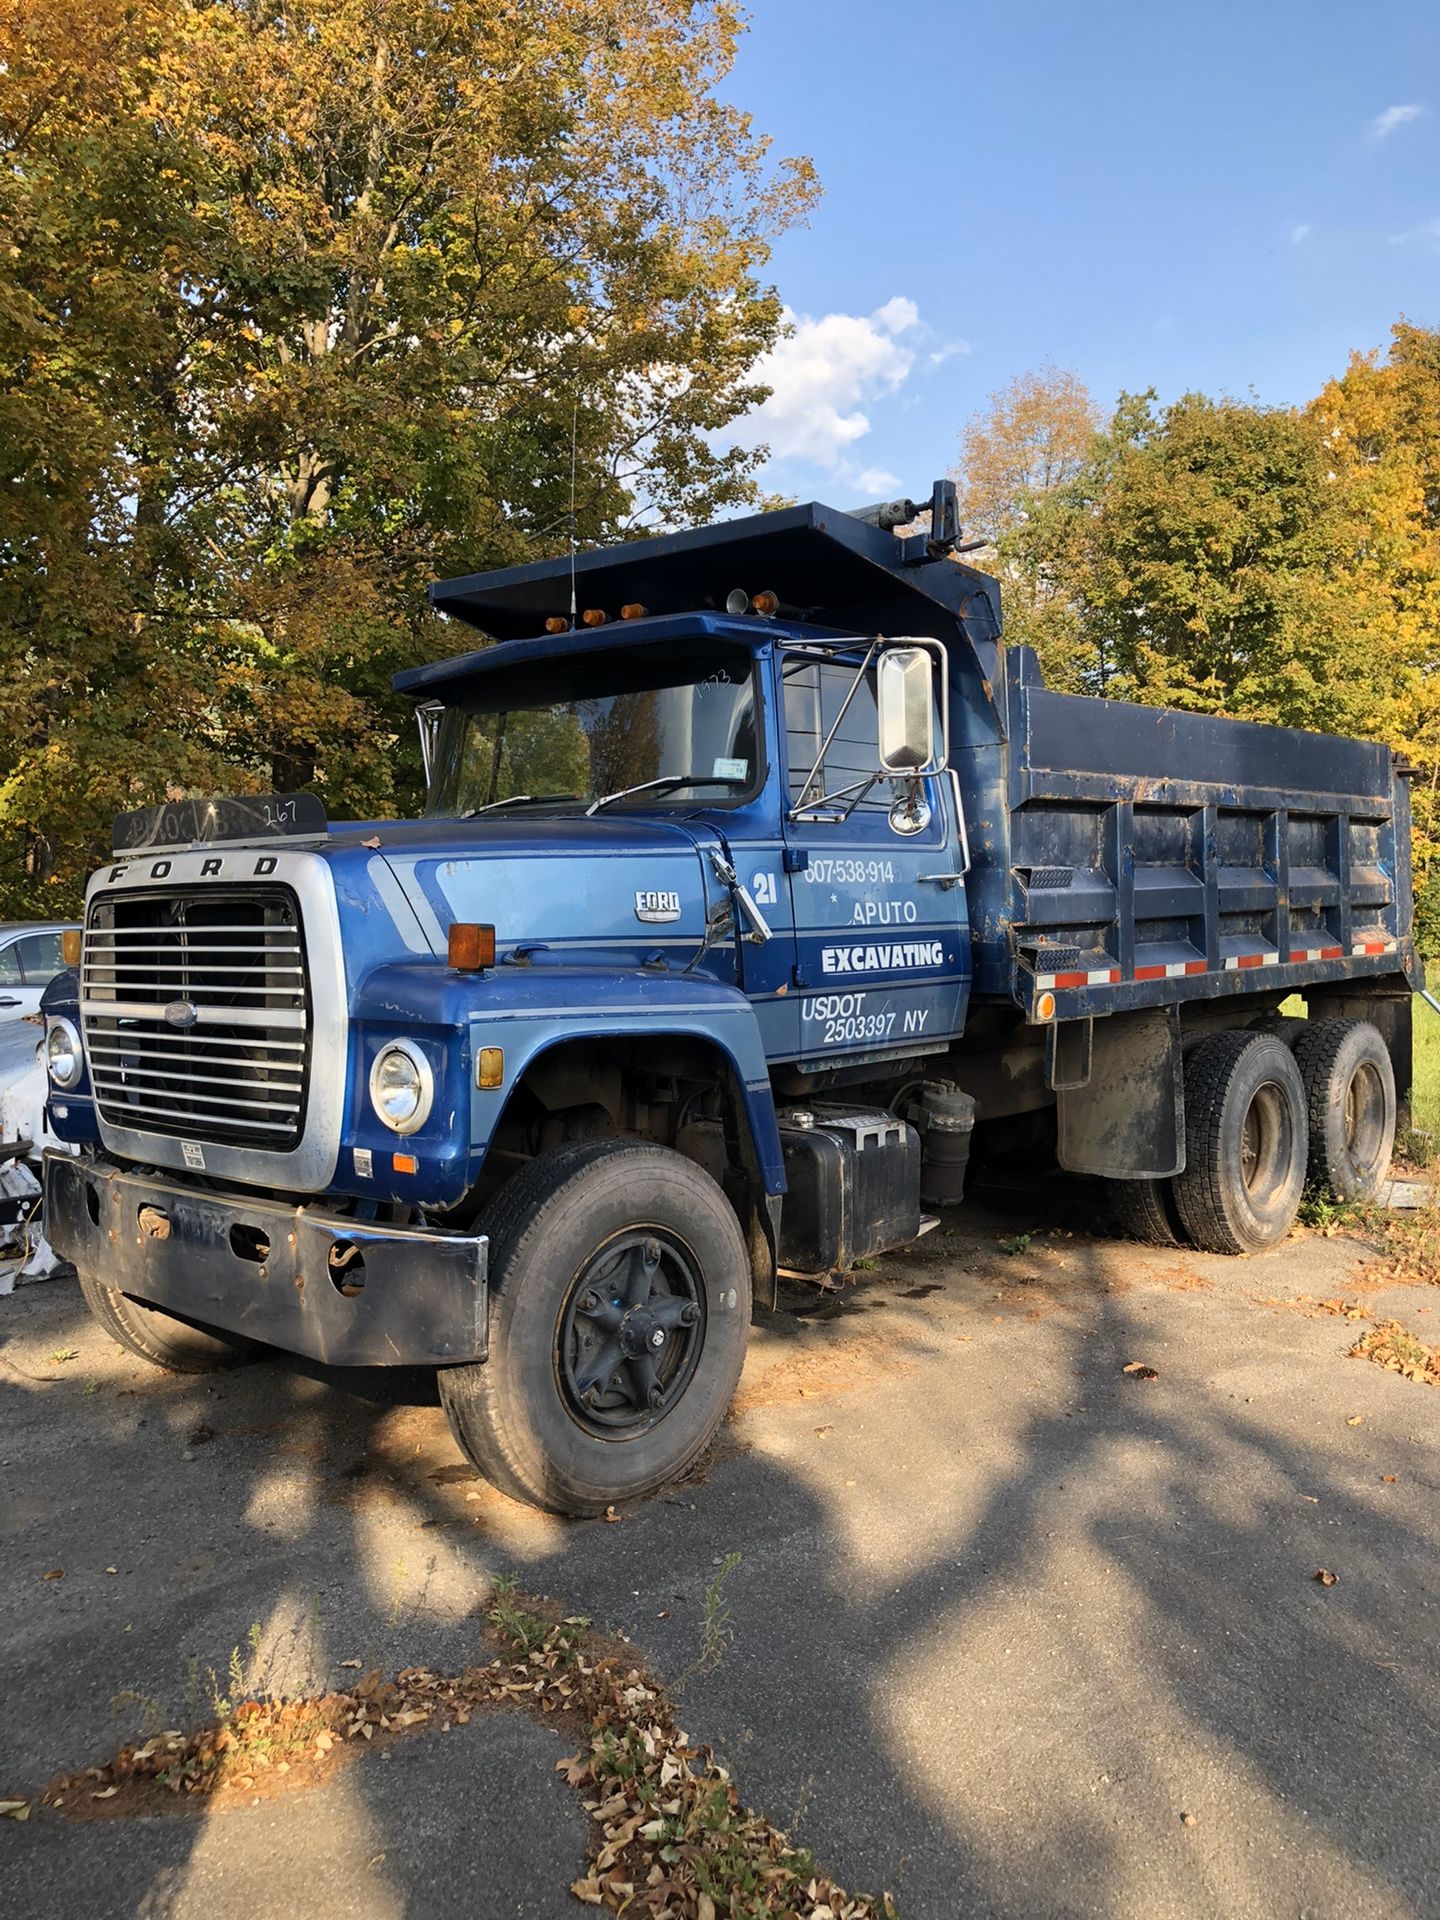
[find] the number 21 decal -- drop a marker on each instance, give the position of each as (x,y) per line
(763,888)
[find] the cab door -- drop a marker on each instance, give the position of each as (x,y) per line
(881,937)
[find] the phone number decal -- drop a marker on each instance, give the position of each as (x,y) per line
(874,873)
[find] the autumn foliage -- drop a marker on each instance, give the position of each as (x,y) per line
(302,307)
(1276,564)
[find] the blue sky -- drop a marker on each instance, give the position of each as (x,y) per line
(1220,196)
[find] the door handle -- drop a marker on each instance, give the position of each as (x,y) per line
(942,880)
(9,1001)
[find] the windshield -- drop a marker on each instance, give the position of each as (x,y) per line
(571,732)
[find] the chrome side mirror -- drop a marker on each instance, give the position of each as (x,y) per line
(905,703)
(427,719)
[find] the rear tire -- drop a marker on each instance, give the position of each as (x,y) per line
(1246,1143)
(595,1250)
(159,1337)
(1146,1210)
(1350,1097)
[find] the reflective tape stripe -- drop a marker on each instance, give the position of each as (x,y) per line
(1373,946)
(1099,977)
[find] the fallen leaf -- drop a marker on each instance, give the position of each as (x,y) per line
(112,1569)
(1325,1577)
(55,1573)
(105,1793)
(1139,1369)
(371,840)
(611,1514)
(1187,1820)
(1356,1420)
(705,1908)
(1388,1478)
(352,1663)
(589,1891)
(15,1809)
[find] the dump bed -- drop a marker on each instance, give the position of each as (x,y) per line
(1156,856)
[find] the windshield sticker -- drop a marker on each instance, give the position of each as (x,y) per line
(730,770)
(897,957)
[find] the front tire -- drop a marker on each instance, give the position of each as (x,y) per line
(159,1337)
(1246,1142)
(619,1313)
(1350,1090)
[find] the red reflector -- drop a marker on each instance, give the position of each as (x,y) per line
(471,946)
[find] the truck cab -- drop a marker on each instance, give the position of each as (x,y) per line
(746,881)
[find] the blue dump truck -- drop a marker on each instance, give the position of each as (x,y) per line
(755,878)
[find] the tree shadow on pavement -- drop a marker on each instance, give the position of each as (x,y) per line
(995,1635)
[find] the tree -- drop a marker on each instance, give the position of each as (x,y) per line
(306,306)
(1032,440)
(1381,424)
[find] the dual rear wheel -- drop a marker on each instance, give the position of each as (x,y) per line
(1262,1120)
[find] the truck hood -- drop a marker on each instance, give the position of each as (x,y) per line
(602,890)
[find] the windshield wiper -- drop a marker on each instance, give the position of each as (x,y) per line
(517,800)
(666,780)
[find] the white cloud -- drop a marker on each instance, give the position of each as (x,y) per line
(1300,232)
(819,375)
(1385,123)
(1425,235)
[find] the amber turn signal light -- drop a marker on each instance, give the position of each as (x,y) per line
(1045,1006)
(593,617)
(490,1068)
(405,1163)
(70,946)
(767,604)
(632,610)
(471,946)
(556,625)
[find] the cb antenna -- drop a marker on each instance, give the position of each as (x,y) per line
(574,436)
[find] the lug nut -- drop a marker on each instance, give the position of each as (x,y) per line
(689,1314)
(652,1249)
(589,1302)
(657,1394)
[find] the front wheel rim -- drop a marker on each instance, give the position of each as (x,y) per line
(630,1333)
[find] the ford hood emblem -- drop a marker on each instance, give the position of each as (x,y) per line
(181,1013)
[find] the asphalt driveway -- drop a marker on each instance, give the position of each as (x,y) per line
(1015,1631)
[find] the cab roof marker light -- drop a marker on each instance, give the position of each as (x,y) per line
(737,601)
(594,617)
(557,624)
(632,610)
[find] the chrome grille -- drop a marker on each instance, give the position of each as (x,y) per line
(231,1061)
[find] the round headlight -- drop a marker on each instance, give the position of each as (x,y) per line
(401,1086)
(63,1056)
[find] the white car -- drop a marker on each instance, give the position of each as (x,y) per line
(29,960)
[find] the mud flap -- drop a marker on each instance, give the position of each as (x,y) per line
(1127,1122)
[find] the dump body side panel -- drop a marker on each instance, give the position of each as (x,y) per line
(1155,856)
